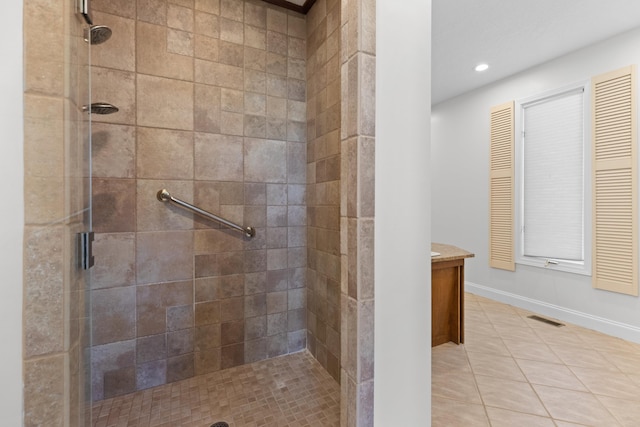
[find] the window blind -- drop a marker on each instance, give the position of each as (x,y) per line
(553,177)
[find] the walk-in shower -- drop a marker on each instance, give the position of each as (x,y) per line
(235,106)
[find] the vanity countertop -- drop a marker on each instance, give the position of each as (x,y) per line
(448,253)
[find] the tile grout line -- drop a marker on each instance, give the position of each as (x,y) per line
(550,417)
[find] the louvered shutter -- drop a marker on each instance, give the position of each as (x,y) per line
(501,215)
(615,231)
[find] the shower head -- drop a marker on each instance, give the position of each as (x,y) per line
(99,34)
(100,108)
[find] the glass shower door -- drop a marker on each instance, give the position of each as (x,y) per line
(57,211)
(78,205)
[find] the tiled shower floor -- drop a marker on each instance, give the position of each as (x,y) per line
(288,391)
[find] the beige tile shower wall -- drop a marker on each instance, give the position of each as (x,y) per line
(323,182)
(212,98)
(55,200)
(357,210)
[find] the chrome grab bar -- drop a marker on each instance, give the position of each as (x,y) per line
(164,196)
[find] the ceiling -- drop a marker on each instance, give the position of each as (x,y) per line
(513,35)
(509,35)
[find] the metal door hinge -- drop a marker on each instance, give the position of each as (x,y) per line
(85,250)
(84,7)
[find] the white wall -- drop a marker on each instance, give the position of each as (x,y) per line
(12,218)
(402,232)
(460,159)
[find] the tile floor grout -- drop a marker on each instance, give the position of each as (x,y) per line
(506,381)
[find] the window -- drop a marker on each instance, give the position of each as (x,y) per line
(551,181)
(562,222)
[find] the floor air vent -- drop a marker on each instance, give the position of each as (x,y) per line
(547,321)
(220,424)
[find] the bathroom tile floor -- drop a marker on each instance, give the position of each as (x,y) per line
(511,371)
(515,371)
(288,391)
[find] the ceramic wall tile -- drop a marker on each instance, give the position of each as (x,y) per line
(218,157)
(114,202)
(154,11)
(180,368)
(232,355)
(232,9)
(207,361)
(207,24)
(44,391)
(255,14)
(164,103)
(164,154)
(265,161)
(179,17)
(255,37)
(180,42)
(255,59)
(164,256)
(124,8)
(206,47)
(276,20)
(120,51)
(114,260)
(153,215)
(210,6)
(44,290)
(231,54)
(113,150)
(113,313)
(117,88)
(180,343)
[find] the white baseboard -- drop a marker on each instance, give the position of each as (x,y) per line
(600,324)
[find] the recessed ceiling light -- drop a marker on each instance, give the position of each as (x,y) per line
(481,67)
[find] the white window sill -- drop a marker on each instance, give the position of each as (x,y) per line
(556,265)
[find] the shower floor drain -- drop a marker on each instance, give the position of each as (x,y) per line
(220,424)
